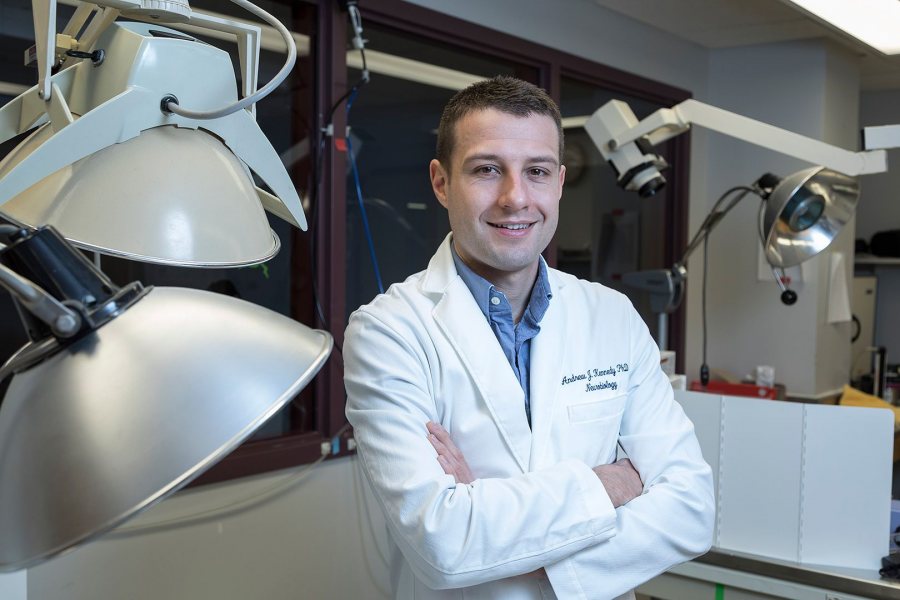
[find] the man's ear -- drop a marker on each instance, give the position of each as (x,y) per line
(439,181)
(562,177)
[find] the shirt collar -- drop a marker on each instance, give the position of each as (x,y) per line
(539,301)
(478,285)
(481,288)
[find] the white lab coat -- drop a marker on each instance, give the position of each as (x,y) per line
(424,351)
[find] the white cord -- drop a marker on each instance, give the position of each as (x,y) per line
(356,22)
(261,92)
(358,42)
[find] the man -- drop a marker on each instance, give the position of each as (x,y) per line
(489,393)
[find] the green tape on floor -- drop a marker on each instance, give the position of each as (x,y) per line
(720,591)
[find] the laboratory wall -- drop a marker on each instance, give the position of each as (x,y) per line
(879,210)
(322,538)
(583,28)
(14,586)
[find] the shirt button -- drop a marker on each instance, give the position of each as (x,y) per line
(495,300)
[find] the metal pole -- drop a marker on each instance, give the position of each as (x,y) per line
(663,331)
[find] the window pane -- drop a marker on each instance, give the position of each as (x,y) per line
(604,231)
(394,123)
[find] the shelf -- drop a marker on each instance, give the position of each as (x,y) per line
(876,261)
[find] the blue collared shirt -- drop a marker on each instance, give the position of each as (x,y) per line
(515,339)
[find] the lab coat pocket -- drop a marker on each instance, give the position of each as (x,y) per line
(591,431)
(598,410)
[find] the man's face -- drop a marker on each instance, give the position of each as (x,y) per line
(502,190)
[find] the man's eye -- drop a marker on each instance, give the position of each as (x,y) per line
(486,170)
(536,172)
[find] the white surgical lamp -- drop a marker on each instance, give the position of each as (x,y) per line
(803,212)
(124,395)
(141,148)
(628,144)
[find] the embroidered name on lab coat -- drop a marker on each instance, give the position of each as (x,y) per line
(603,385)
(591,375)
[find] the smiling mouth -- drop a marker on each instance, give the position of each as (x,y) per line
(512,226)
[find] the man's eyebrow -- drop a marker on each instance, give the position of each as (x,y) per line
(541,159)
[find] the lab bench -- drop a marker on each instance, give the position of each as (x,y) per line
(720,575)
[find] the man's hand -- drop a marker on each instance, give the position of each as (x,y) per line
(451,459)
(621,480)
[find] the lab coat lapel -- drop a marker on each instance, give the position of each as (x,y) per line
(465,326)
(548,356)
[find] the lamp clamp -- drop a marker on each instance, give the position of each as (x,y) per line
(62,320)
(59,293)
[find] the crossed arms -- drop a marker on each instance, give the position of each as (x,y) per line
(620,479)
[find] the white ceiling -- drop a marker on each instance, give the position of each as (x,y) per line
(727,23)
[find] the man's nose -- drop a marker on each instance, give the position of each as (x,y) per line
(514,194)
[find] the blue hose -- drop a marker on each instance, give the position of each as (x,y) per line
(362,207)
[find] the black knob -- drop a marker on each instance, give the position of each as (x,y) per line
(789,297)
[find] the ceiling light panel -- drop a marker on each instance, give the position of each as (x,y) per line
(875,23)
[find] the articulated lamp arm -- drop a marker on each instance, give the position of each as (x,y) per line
(48,53)
(628,143)
(669,122)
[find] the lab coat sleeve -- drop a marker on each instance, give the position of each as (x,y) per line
(456,535)
(672,521)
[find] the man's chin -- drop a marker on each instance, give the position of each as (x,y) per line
(507,264)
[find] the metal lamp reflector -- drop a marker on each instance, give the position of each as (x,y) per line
(805,212)
(149,389)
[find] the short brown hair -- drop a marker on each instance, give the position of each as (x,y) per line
(506,94)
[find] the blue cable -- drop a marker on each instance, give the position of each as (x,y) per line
(359,197)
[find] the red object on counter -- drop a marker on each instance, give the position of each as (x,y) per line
(735,389)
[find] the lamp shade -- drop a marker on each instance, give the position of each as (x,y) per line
(168,196)
(131,412)
(805,212)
